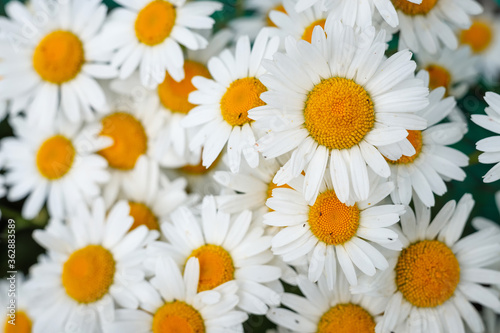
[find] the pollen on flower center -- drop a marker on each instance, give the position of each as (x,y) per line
(142,216)
(178,317)
(331,221)
(438,76)
(129,140)
(412,9)
(307,35)
(216,266)
(174,95)
(154,22)
(59,57)
(478,36)
(346,318)
(88,273)
(279,8)
(55,157)
(415,138)
(241,96)
(338,113)
(427,273)
(23,324)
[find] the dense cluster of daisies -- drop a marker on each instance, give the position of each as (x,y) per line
(189,173)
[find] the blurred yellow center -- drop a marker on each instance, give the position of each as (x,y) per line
(199,169)
(178,317)
(59,57)
(338,113)
(129,140)
(216,266)
(415,138)
(412,9)
(307,36)
(241,96)
(278,8)
(174,95)
(478,36)
(142,216)
(88,273)
(427,273)
(55,157)
(346,318)
(154,22)
(22,324)
(438,76)
(331,221)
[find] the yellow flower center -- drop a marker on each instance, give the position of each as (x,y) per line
(478,36)
(216,266)
(241,96)
(346,318)
(338,113)
(142,216)
(412,9)
(22,323)
(154,22)
(331,221)
(88,273)
(129,140)
(438,77)
(415,138)
(307,36)
(174,95)
(178,317)
(278,8)
(59,57)
(427,273)
(55,157)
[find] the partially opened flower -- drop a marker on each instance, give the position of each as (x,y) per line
(52,70)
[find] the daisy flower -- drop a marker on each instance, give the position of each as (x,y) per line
(171,303)
(92,264)
(428,25)
(17,317)
(323,310)
(329,230)
(436,276)
(148,34)
(56,164)
(229,250)
(483,37)
(224,102)
(433,162)
(454,70)
(490,146)
(336,101)
(172,96)
(52,68)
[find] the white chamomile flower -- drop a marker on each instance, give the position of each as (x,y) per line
(16,308)
(324,311)
(433,162)
(490,146)
(148,34)
(54,60)
(455,70)
(171,303)
(92,266)
(483,37)
(56,164)
(225,101)
(429,25)
(329,230)
(172,96)
(228,248)
(435,278)
(334,103)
